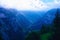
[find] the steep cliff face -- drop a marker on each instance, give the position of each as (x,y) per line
(9,27)
(46,20)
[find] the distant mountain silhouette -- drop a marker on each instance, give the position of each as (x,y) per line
(32,16)
(49,16)
(46,19)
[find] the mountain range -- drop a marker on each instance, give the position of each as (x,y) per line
(15,24)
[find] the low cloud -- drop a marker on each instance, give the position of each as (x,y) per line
(29,4)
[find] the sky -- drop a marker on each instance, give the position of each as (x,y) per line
(30,4)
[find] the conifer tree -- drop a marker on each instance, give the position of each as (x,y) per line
(56,35)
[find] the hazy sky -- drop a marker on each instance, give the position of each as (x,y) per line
(47,0)
(30,4)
